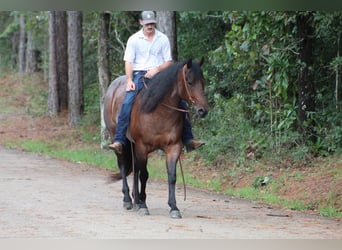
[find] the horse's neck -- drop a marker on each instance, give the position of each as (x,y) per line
(172,98)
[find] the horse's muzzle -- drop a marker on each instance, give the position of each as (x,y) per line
(201,112)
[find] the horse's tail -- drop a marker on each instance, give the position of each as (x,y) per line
(117,176)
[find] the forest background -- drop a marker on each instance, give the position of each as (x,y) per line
(273,82)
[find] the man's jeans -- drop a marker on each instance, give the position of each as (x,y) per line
(126,108)
(187,135)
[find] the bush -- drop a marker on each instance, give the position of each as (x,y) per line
(233,136)
(227,132)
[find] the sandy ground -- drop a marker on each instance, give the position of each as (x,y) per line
(47,198)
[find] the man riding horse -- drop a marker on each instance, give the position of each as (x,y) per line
(147,53)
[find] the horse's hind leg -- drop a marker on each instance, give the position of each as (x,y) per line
(125,171)
(127,201)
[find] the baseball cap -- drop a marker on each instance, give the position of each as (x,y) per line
(148,17)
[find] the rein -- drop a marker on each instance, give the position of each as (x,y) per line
(184,185)
(174,108)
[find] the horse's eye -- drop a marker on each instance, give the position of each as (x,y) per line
(189,81)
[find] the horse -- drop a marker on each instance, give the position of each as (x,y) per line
(156,123)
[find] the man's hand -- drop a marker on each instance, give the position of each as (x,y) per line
(151,72)
(130,85)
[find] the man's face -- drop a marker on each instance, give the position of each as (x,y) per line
(148,28)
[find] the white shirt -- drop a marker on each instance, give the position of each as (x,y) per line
(145,54)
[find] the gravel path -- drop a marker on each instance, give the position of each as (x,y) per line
(46,198)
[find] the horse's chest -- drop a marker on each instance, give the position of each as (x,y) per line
(162,125)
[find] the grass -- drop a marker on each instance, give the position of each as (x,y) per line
(85,155)
(330,211)
(254,194)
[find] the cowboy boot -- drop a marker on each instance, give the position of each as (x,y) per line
(192,145)
(117,147)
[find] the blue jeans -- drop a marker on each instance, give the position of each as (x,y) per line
(126,108)
(187,135)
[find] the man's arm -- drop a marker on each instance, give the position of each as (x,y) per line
(129,73)
(150,73)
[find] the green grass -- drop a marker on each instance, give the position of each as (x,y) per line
(254,194)
(85,155)
(330,211)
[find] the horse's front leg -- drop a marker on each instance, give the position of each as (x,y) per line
(135,192)
(143,176)
(172,156)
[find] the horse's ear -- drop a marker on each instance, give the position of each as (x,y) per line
(189,63)
(201,62)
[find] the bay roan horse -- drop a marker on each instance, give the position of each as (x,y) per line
(156,123)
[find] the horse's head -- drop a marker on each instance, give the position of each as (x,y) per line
(193,87)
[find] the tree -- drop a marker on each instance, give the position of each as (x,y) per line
(36,40)
(9,40)
(306,90)
(53,104)
(62,59)
(103,66)
(58,62)
(31,54)
(208,35)
(166,23)
(22,42)
(75,70)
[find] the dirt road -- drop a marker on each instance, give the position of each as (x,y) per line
(47,198)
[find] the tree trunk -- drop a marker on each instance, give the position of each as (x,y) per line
(337,72)
(15,50)
(103,67)
(22,42)
(306,90)
(62,59)
(166,23)
(75,62)
(31,55)
(53,105)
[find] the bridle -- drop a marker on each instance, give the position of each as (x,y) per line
(186,86)
(187,92)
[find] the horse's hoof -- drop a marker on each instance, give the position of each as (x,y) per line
(175,214)
(136,208)
(143,211)
(127,205)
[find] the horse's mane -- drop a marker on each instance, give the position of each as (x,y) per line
(159,86)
